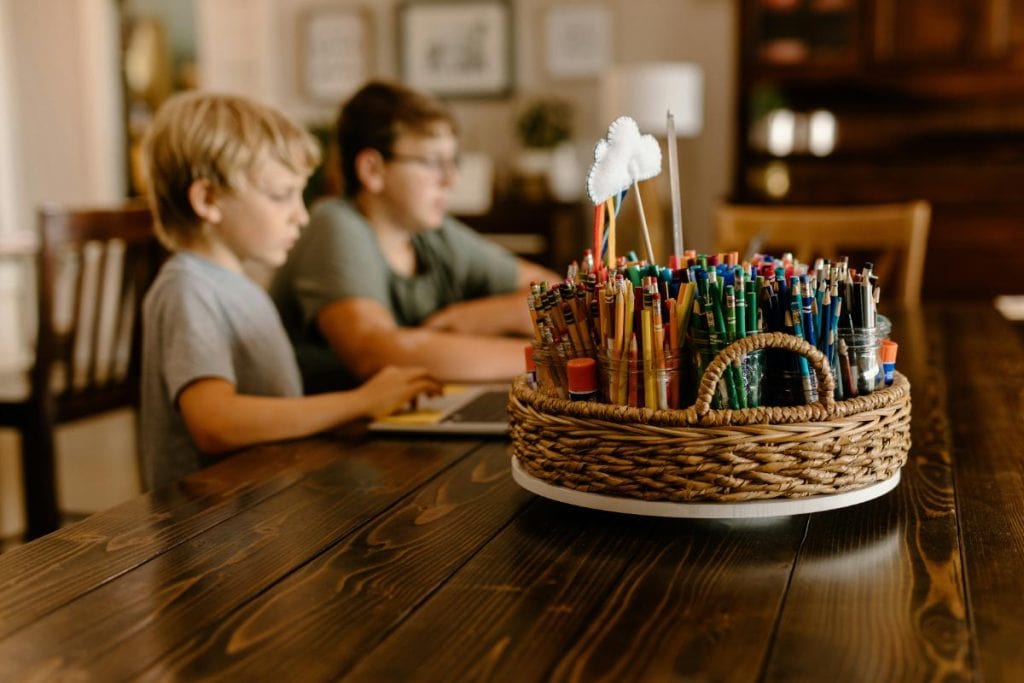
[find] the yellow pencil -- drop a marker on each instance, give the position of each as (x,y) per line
(650,394)
(628,332)
(684,303)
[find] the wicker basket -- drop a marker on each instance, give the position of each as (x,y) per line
(704,455)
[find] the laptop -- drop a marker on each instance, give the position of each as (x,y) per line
(461,409)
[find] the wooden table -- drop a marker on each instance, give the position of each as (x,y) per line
(413,559)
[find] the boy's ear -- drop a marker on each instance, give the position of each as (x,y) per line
(370,169)
(203,198)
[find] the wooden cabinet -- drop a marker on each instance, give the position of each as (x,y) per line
(922,99)
(803,33)
(932,33)
(849,34)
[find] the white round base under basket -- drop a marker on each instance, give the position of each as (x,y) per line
(776,507)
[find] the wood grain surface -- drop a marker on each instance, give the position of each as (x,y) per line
(415,559)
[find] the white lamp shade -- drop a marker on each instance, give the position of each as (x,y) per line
(647,90)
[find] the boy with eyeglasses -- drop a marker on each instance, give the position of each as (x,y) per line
(383,275)
(224,182)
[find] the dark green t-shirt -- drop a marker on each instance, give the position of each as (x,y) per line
(338,257)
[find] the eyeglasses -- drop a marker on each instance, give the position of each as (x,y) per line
(439,166)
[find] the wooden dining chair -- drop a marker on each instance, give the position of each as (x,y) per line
(93,267)
(892,236)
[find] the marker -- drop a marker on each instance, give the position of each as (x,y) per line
(889,349)
(792,317)
(582,377)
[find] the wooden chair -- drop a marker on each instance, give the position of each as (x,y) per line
(893,236)
(93,268)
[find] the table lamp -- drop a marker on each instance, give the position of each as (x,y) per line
(648,91)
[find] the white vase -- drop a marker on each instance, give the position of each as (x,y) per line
(532,167)
(565,175)
(534,161)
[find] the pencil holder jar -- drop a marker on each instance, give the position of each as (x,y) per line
(883,327)
(552,378)
(741,385)
(861,366)
(787,384)
(639,382)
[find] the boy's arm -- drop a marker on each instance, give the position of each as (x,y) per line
(365,337)
(219,419)
(500,314)
(494,315)
(530,272)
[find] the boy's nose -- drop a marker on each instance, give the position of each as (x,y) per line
(302,214)
(449,174)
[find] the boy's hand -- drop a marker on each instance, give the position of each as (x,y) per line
(393,387)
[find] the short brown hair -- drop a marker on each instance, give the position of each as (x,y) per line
(217,138)
(376,115)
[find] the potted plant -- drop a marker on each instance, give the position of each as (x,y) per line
(545,123)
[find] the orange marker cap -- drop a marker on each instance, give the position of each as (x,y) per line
(889,349)
(530,364)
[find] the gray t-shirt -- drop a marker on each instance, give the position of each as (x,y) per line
(338,257)
(202,320)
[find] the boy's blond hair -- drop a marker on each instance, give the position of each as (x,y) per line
(217,138)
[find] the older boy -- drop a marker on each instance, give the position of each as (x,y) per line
(225,180)
(383,275)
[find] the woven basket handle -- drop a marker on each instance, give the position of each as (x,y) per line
(735,351)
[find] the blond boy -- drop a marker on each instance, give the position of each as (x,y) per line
(225,179)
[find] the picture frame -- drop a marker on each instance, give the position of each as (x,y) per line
(578,41)
(457,48)
(336,52)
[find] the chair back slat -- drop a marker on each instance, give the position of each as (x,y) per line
(94,268)
(111,283)
(893,236)
(83,332)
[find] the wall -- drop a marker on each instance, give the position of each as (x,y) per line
(67,108)
(8,151)
(61,109)
(261,57)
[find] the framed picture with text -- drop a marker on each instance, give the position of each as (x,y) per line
(460,48)
(335,46)
(578,41)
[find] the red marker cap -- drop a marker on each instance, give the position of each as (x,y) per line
(582,374)
(530,365)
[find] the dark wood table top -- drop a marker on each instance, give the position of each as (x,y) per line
(400,559)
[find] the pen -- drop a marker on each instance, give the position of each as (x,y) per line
(793,319)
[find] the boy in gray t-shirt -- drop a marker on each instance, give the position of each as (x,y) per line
(225,178)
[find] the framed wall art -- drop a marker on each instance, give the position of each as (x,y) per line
(457,48)
(578,41)
(335,45)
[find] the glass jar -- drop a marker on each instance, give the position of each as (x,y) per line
(639,382)
(740,386)
(786,383)
(551,374)
(861,368)
(883,326)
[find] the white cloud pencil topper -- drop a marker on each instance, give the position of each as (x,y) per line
(622,159)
